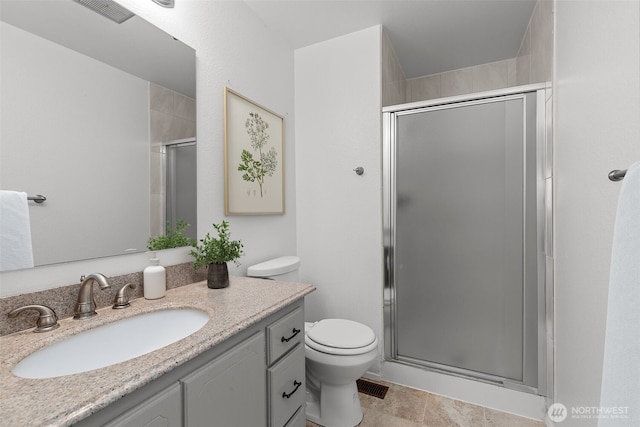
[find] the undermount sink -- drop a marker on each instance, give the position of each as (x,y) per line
(112,343)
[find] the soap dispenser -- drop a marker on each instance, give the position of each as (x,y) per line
(154,279)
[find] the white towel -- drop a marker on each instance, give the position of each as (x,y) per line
(620,396)
(15,231)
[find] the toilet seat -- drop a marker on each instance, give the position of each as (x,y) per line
(341,337)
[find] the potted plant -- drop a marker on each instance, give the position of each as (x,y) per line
(215,253)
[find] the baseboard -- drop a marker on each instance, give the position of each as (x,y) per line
(373,376)
(488,395)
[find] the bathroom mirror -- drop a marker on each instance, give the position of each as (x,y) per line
(86,106)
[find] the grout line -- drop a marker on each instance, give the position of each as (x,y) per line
(424,411)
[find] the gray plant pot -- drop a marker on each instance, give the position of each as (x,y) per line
(217,276)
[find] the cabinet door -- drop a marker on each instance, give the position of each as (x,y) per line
(162,410)
(230,390)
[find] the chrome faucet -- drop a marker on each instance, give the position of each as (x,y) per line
(86,305)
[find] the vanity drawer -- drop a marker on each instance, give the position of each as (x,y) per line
(286,387)
(284,334)
(298,420)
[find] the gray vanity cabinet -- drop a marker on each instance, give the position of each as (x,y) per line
(299,419)
(162,410)
(286,371)
(255,378)
(230,390)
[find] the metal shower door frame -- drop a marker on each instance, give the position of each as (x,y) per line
(169,176)
(544,234)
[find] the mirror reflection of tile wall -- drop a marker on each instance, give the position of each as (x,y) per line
(172,116)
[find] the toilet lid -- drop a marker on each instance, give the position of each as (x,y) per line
(341,334)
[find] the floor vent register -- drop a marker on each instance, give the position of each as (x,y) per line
(372,389)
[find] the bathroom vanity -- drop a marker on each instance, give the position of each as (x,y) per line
(245,367)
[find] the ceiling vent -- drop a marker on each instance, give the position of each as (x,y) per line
(108,8)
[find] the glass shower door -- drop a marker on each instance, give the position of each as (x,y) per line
(181,178)
(464,247)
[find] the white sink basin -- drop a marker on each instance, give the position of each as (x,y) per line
(111,343)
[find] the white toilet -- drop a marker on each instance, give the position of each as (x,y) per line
(337,351)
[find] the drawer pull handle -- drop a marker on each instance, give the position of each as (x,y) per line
(295,383)
(295,332)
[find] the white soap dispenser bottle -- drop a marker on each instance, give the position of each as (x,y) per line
(154,279)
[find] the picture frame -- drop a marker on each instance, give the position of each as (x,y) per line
(253,157)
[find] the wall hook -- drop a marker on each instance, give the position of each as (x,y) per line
(359,170)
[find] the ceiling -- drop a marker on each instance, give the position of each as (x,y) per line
(429,36)
(135,46)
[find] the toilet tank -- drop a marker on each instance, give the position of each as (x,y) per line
(284,269)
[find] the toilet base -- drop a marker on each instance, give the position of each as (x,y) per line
(337,406)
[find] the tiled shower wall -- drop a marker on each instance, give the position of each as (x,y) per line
(172,116)
(533,64)
(394,85)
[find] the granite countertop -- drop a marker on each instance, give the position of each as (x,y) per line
(65,400)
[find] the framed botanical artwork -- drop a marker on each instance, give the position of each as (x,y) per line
(254,157)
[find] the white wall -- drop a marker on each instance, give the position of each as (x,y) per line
(338,127)
(597,129)
(233,48)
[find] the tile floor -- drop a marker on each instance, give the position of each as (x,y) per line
(408,407)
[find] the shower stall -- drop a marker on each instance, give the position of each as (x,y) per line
(467,233)
(180,184)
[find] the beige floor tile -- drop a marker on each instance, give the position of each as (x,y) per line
(408,407)
(444,412)
(375,418)
(402,402)
(495,418)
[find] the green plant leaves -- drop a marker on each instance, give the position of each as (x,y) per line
(173,238)
(212,250)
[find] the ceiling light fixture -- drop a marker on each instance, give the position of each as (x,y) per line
(165,3)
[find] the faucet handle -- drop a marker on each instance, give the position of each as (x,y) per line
(121,300)
(47,319)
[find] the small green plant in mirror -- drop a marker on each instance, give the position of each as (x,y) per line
(173,238)
(220,250)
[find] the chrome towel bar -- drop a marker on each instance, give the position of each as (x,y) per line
(38,198)
(617,174)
